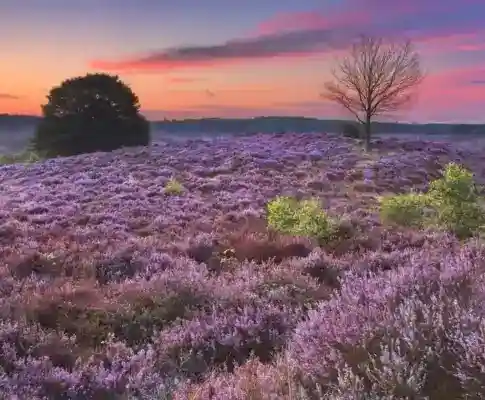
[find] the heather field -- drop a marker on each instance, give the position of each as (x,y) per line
(151,273)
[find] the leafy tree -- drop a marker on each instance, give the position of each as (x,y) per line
(375,78)
(96,112)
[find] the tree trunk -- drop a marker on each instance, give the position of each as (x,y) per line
(367,134)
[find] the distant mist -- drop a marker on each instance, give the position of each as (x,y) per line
(15,138)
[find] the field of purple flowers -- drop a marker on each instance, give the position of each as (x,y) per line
(112,286)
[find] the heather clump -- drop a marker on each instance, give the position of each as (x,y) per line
(148,313)
(72,311)
(263,246)
(397,335)
(226,338)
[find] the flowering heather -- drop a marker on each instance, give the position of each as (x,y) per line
(114,287)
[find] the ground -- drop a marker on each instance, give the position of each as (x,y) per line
(114,286)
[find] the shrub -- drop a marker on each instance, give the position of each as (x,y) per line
(299,218)
(90,324)
(263,249)
(282,214)
(313,221)
(404,209)
(150,312)
(173,187)
(96,112)
(350,130)
(456,202)
(451,203)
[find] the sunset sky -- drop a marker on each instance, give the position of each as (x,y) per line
(227,58)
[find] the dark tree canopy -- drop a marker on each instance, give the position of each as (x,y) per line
(350,130)
(96,112)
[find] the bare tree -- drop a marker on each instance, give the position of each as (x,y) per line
(376,77)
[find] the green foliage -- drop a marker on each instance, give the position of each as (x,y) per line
(173,187)
(404,209)
(456,202)
(313,221)
(300,218)
(351,130)
(452,203)
(25,157)
(282,214)
(96,112)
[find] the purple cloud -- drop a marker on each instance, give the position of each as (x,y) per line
(316,33)
(9,96)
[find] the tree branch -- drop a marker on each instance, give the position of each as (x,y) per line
(376,77)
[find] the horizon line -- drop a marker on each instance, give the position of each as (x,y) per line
(271,116)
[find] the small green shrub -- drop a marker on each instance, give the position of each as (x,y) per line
(173,187)
(404,209)
(452,203)
(299,218)
(457,185)
(456,202)
(313,221)
(282,214)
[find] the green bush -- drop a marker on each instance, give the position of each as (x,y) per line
(456,202)
(173,187)
(452,203)
(313,221)
(404,209)
(96,112)
(282,214)
(299,218)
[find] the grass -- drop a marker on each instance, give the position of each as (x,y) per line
(24,157)
(173,187)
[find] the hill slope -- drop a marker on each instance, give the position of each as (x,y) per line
(111,286)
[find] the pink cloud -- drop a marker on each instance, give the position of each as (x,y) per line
(302,34)
(9,96)
(309,20)
(167,61)
(450,93)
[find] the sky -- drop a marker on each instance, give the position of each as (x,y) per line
(227,58)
